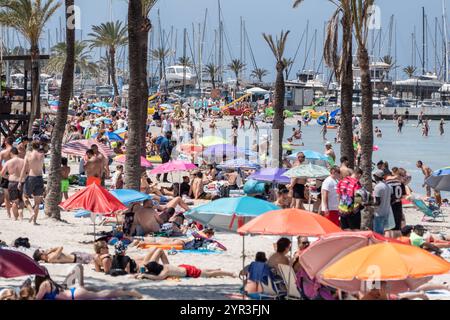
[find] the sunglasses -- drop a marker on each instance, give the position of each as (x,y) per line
(307,242)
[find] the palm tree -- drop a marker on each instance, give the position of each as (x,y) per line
(110,35)
(342,65)
(53,197)
(237,66)
(82,59)
(133,165)
(212,70)
(103,65)
(410,71)
(361,16)
(288,62)
(259,74)
(146,26)
(277,47)
(29,18)
(185,61)
(160,54)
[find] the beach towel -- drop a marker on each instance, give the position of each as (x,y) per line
(161,246)
(199,251)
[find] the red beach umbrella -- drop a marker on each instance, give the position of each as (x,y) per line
(15,264)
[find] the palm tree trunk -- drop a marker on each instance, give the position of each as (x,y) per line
(112,56)
(278,120)
(366,119)
(132,165)
(347,149)
(145,29)
(35,88)
(54,183)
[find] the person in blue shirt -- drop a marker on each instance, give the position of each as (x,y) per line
(165,152)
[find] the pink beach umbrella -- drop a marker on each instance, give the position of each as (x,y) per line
(174,166)
(14,264)
(144,162)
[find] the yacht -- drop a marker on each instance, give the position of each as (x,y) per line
(177,76)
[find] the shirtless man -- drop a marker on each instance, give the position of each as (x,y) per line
(427,172)
(93,168)
(146,219)
(13,168)
(197,185)
(105,173)
(22,147)
(345,170)
(232,176)
(329,151)
(56,255)
(34,182)
(156,271)
(5,155)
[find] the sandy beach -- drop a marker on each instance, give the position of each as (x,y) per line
(76,234)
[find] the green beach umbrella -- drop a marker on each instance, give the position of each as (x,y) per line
(307,171)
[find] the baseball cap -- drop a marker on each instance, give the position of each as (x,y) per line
(379,174)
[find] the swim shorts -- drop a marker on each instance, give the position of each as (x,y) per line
(4,183)
(191,271)
(82,257)
(65,185)
(13,190)
(34,186)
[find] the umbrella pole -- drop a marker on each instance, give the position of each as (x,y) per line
(243,266)
(95,217)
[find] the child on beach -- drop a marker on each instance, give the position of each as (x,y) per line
(65,171)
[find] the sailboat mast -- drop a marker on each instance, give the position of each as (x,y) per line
(424,45)
(444,12)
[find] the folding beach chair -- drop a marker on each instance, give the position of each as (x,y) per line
(428,212)
(270,292)
(289,278)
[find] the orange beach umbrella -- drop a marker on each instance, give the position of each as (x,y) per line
(402,264)
(290,222)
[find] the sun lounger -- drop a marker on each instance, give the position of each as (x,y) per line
(429,214)
(288,275)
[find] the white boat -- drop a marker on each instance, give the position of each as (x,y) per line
(177,76)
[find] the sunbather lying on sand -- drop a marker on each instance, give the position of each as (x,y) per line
(47,289)
(157,271)
(189,243)
(56,255)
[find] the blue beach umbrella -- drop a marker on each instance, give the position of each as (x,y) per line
(440,180)
(95,111)
(102,104)
(120,131)
(128,196)
(228,150)
(54,103)
(228,214)
(111,136)
(309,155)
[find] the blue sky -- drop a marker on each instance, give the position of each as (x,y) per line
(270,16)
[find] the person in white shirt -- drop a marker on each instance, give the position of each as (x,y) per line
(166,125)
(330,198)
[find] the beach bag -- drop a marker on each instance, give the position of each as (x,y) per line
(22,242)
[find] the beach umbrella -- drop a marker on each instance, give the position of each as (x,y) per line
(102,104)
(225,150)
(94,111)
(144,162)
(307,171)
(53,103)
(79,148)
(120,131)
(228,214)
(128,196)
(290,222)
(103,119)
(174,165)
(95,199)
(440,180)
(309,155)
(273,175)
(111,136)
(191,148)
(239,164)
(14,264)
(330,248)
(405,267)
(211,140)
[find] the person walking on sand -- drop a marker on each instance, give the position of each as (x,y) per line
(427,172)
(5,155)
(13,169)
(400,124)
(34,181)
(65,171)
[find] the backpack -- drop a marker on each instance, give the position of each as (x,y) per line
(22,242)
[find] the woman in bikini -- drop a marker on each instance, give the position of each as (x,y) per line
(156,271)
(47,289)
(102,258)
